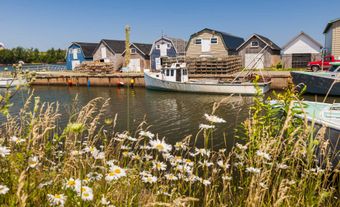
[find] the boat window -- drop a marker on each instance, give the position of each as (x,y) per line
(172,72)
(167,72)
(334,68)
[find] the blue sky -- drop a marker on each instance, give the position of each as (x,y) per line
(56,23)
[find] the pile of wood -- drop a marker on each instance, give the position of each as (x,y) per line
(207,65)
(95,67)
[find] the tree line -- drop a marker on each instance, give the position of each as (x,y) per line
(31,55)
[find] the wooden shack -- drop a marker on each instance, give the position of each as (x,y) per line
(212,43)
(259,52)
(139,57)
(300,50)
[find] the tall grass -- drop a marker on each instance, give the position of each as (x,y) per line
(89,163)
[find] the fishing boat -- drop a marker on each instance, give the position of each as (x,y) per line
(11,82)
(324,115)
(175,78)
(325,82)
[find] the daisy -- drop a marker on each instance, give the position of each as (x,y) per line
(205,163)
(226,178)
(94,176)
(171,177)
(72,183)
(161,146)
(223,165)
(4,151)
(206,182)
(149,179)
(214,119)
(282,166)
(180,145)
(253,170)
(57,199)
(206,126)
(115,173)
(3,189)
(16,140)
(146,134)
(263,154)
(33,161)
(160,166)
(104,201)
(86,193)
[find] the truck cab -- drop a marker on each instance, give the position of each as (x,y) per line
(325,64)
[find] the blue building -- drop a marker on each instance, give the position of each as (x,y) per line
(79,52)
(166,47)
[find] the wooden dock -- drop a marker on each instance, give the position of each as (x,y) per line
(280,79)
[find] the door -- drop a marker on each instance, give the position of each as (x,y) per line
(301,60)
(103,51)
(75,54)
(164,48)
(75,63)
(158,63)
(254,61)
(134,65)
(206,45)
(178,75)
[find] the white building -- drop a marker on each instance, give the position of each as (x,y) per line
(300,50)
(2,46)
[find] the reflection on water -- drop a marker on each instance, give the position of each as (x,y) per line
(171,115)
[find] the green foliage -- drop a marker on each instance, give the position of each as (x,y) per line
(11,56)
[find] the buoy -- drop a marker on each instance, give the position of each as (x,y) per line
(88,83)
(132,82)
(69,83)
(120,84)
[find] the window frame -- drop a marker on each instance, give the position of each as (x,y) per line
(172,73)
(257,42)
(214,42)
(133,49)
(200,40)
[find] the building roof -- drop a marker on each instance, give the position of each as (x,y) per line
(232,42)
(302,34)
(144,48)
(87,48)
(264,39)
(117,46)
(179,44)
(330,24)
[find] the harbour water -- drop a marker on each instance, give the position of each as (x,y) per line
(170,115)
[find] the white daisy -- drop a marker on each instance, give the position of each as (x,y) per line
(282,166)
(4,151)
(149,179)
(206,182)
(33,161)
(16,140)
(160,166)
(86,193)
(171,177)
(146,134)
(73,184)
(3,189)
(159,145)
(223,165)
(253,170)
(56,199)
(226,178)
(263,154)
(214,119)
(115,173)
(104,201)
(206,126)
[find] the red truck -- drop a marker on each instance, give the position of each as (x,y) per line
(317,65)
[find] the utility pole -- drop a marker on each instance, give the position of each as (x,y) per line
(127,45)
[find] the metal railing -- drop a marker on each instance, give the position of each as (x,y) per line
(44,67)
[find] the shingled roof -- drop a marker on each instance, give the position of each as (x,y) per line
(179,44)
(87,48)
(144,48)
(232,42)
(117,46)
(264,39)
(330,24)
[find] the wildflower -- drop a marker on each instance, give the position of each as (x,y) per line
(115,173)
(144,147)
(222,164)
(146,134)
(124,147)
(226,178)
(4,151)
(263,154)
(72,183)
(201,151)
(180,146)
(111,162)
(75,152)
(149,179)
(41,185)
(98,155)
(214,119)
(171,177)
(16,140)
(94,176)
(57,199)
(241,147)
(135,157)
(33,161)
(206,126)
(3,189)
(253,170)
(75,127)
(282,166)
(104,201)
(86,193)
(160,166)
(147,157)
(238,164)
(161,146)
(145,174)
(206,163)
(206,182)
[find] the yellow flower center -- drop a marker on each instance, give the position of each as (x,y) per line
(71,183)
(159,147)
(57,196)
(117,171)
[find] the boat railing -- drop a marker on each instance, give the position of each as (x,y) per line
(44,67)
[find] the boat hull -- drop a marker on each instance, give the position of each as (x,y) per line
(221,88)
(9,82)
(317,84)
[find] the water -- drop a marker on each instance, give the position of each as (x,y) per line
(171,115)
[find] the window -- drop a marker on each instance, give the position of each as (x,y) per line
(158,46)
(169,46)
(185,72)
(213,40)
(167,72)
(198,41)
(172,72)
(133,51)
(254,44)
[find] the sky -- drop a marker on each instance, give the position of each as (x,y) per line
(45,24)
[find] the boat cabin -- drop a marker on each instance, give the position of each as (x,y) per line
(335,67)
(176,73)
